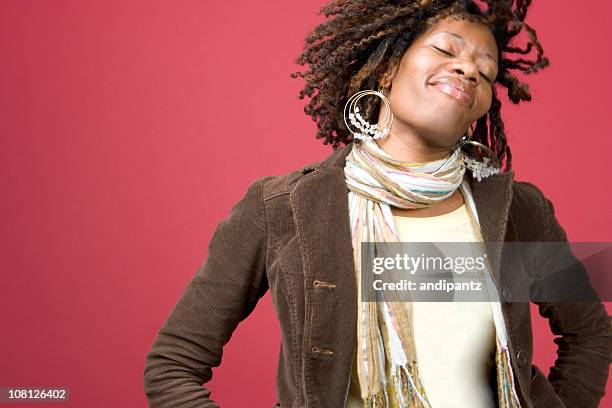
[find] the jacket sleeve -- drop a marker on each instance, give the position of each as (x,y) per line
(584,345)
(222,293)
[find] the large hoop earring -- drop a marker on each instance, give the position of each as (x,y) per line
(366,131)
(488,166)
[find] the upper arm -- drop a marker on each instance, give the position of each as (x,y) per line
(565,297)
(223,292)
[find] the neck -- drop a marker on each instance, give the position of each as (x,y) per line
(405,144)
(411,150)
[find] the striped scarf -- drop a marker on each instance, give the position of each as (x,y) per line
(386,365)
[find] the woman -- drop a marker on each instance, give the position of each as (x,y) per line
(429,170)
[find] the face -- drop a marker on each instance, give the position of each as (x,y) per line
(444,82)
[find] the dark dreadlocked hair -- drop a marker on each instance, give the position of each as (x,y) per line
(353,50)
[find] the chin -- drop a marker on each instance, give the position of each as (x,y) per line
(439,135)
(445,125)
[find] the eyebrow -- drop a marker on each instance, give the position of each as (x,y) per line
(484,54)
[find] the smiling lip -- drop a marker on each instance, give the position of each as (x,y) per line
(454,89)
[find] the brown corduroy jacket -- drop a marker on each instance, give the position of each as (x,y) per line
(290,234)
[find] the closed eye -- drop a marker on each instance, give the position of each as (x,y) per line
(443,51)
(486,77)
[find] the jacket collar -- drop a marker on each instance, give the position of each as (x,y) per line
(320,206)
(492,195)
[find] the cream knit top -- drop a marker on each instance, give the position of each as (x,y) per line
(455,341)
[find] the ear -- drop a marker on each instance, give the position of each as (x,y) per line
(387,78)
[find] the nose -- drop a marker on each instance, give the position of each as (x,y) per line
(466,69)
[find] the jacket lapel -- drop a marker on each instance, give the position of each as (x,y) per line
(320,207)
(493,196)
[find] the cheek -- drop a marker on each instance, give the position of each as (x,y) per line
(413,72)
(408,89)
(484,101)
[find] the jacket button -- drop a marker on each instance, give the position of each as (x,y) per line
(319,350)
(521,358)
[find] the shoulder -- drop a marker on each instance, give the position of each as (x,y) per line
(530,209)
(270,189)
(267,195)
(527,194)
(282,185)
(266,203)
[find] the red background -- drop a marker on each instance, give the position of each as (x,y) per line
(130,128)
